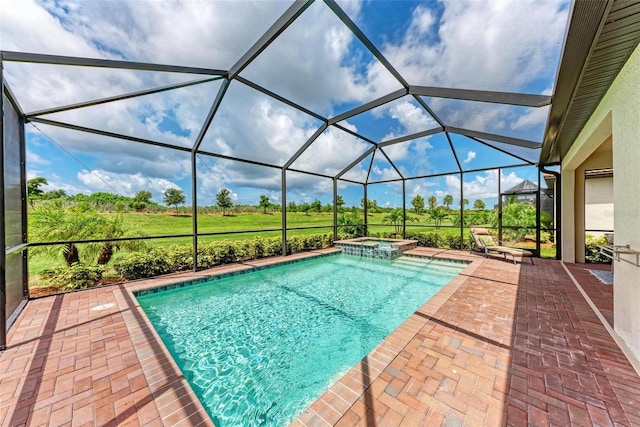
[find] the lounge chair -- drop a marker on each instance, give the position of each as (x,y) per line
(483,241)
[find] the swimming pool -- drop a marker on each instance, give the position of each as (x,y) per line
(258,348)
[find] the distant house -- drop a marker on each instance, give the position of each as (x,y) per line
(525,192)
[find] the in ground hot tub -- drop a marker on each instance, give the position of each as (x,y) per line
(375,248)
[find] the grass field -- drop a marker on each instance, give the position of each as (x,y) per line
(164,224)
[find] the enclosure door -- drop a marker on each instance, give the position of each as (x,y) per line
(518,221)
(13,216)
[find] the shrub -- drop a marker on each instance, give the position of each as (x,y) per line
(179,258)
(545,237)
(273,246)
(77,276)
(427,240)
(228,252)
(295,244)
(138,265)
(591,252)
(453,242)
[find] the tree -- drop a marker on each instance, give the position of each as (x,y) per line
(418,204)
(174,196)
(34,184)
(55,194)
(465,202)
(59,221)
(143,196)
(433,202)
(316,206)
(292,207)
(141,200)
(437,214)
(304,207)
(447,200)
(479,205)
(339,202)
(264,203)
(223,200)
(371,204)
(34,191)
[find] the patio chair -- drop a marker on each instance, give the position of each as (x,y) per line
(482,241)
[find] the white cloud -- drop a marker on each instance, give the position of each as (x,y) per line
(532,118)
(383,173)
(412,119)
(422,20)
(34,158)
(470,156)
(420,157)
(317,61)
(331,152)
(69,189)
(55,182)
(124,183)
(252,126)
(483,186)
(499,45)
(422,187)
(209,34)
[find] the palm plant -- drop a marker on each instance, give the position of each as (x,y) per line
(351,224)
(111,230)
(437,214)
(395,218)
(59,222)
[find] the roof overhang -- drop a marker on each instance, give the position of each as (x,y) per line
(601,36)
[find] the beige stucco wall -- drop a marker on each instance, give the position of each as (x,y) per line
(618,115)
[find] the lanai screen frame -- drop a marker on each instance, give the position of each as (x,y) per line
(205,75)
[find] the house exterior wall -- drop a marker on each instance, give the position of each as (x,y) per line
(617,116)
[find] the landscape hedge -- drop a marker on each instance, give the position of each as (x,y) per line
(138,265)
(158,261)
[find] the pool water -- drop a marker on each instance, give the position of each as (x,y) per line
(258,348)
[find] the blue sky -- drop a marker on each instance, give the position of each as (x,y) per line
(506,45)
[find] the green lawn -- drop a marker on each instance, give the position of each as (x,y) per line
(169,224)
(163,224)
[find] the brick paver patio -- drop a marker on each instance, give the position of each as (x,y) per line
(502,344)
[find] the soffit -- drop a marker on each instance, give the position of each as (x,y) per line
(601,37)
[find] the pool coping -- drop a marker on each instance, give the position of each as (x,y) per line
(323,410)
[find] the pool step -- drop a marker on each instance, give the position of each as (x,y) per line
(418,264)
